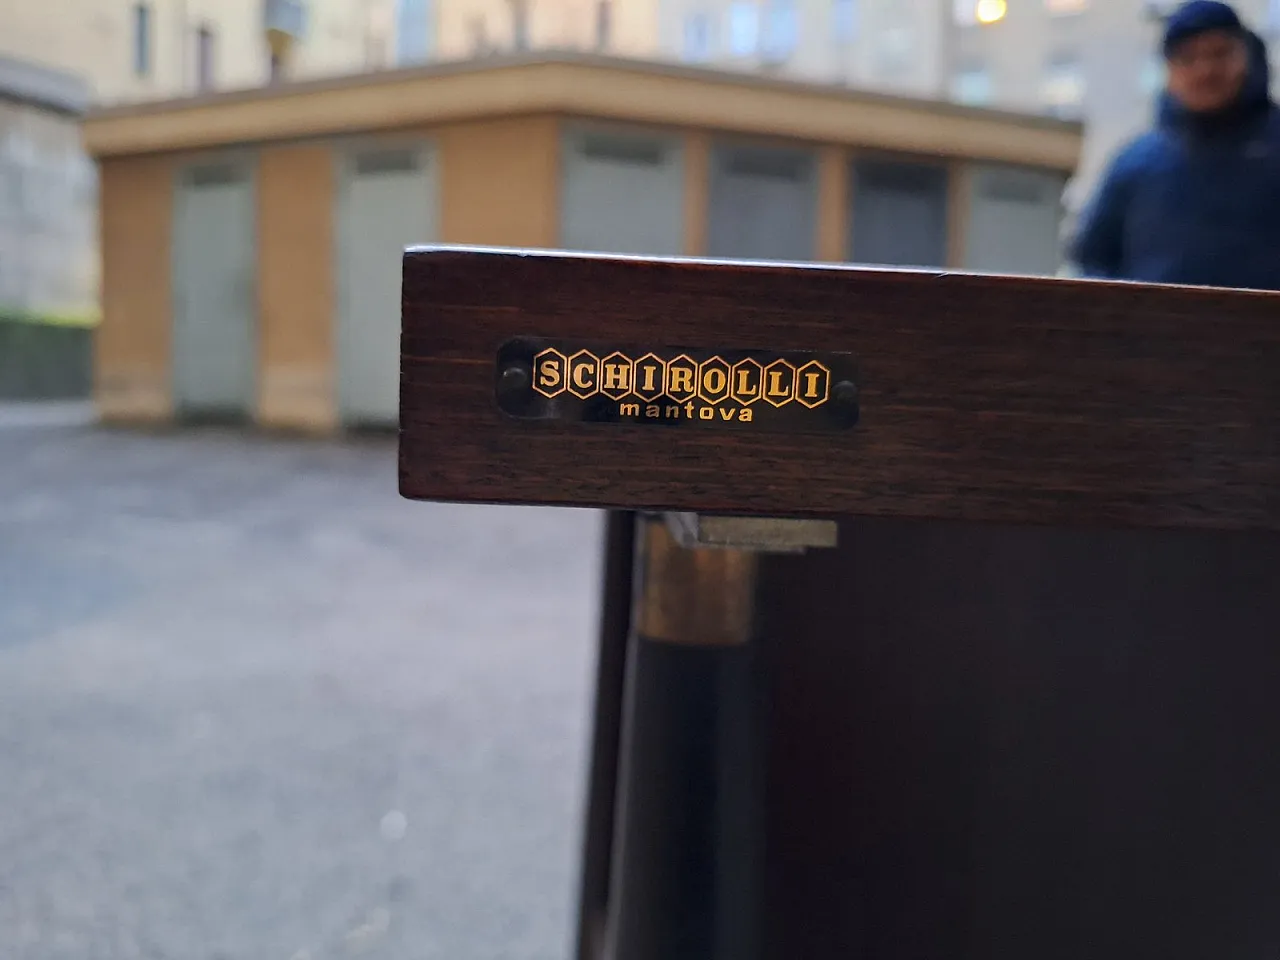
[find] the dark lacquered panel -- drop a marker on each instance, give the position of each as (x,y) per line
(1004,399)
(998,743)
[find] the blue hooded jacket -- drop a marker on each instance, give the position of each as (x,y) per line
(1196,200)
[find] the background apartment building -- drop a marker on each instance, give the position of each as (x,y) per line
(891,45)
(1096,60)
(1093,60)
(130,50)
(58,57)
(1088,59)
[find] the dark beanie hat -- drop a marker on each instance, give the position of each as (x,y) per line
(1198,16)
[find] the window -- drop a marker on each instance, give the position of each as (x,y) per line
(377,36)
(844,20)
(972,12)
(142,39)
(744,28)
(895,50)
(972,86)
(520,24)
(1065,8)
(204,58)
(1062,89)
(697,37)
(781,30)
(412,28)
(478,31)
(604,23)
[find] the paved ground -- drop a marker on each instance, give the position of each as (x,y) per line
(253,705)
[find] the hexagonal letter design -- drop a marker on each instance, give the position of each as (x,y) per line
(615,376)
(779,383)
(713,380)
(748,381)
(650,376)
(682,379)
(584,374)
(813,384)
(550,373)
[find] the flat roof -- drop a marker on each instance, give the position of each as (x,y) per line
(43,87)
(587,86)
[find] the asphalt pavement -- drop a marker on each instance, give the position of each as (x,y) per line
(254,706)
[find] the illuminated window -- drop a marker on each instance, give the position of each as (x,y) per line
(970,12)
(1065,8)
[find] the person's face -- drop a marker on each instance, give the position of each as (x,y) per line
(1207,71)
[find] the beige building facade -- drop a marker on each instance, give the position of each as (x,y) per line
(159,49)
(1089,60)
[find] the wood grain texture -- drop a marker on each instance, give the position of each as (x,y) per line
(1000,399)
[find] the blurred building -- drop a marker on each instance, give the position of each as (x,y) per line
(893,45)
(252,241)
(1093,60)
(1096,60)
(158,49)
(57,57)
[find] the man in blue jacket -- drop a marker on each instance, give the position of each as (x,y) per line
(1197,199)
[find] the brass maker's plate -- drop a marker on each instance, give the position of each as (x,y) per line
(788,391)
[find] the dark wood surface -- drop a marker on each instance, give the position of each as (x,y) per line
(1006,743)
(1050,733)
(1000,399)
